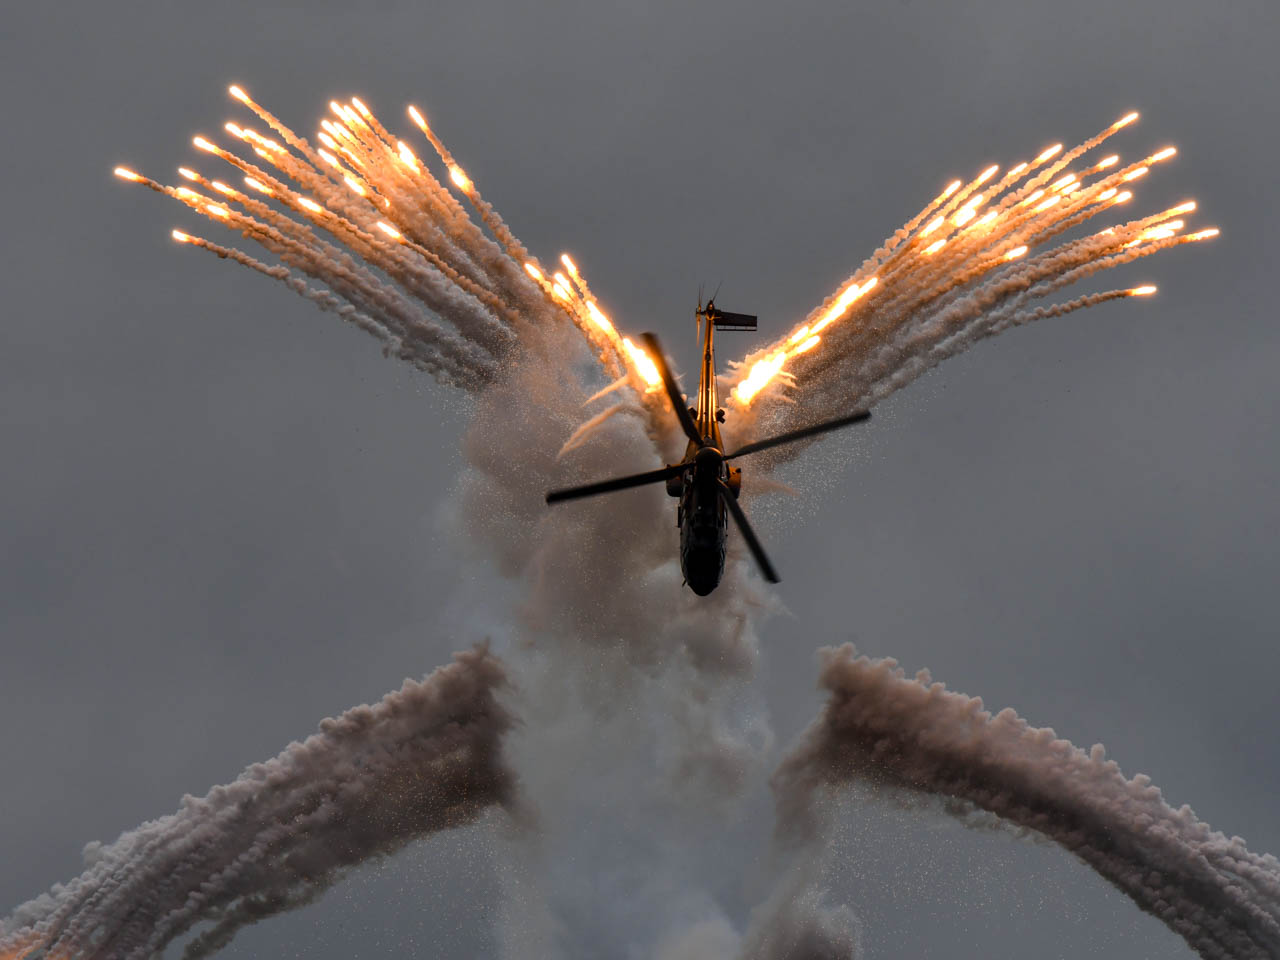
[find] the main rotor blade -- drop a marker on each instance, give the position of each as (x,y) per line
(800,434)
(673,392)
(617,483)
(748,534)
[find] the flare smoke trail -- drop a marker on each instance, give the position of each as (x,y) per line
(952,276)
(460,303)
(394,249)
(914,735)
(425,758)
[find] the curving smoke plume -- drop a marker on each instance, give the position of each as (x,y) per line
(605,640)
(425,758)
(913,734)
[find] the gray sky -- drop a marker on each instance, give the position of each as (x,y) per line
(212,538)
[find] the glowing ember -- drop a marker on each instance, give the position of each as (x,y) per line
(460,178)
(647,369)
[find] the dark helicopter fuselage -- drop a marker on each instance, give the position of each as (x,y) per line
(702,516)
(703,481)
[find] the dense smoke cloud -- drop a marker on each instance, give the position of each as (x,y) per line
(912,734)
(427,757)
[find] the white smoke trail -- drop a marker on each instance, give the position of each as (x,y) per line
(427,757)
(934,288)
(912,734)
(640,731)
(604,633)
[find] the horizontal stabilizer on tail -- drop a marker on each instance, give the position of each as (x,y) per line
(724,320)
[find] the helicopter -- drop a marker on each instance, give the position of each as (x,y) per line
(703,481)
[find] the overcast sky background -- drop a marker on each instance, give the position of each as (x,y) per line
(223,515)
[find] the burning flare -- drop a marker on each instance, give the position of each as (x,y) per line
(949,264)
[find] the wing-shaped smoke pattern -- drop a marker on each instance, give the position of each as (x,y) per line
(967,266)
(425,758)
(912,734)
(608,645)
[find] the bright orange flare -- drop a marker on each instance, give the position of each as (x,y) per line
(417,118)
(1205,234)
(1135,174)
(1051,202)
(329,158)
(1145,291)
(600,319)
(987,218)
(223,189)
(569,265)
(934,247)
(951,188)
(390,231)
(987,174)
(188,173)
(1062,183)
(218,210)
(933,225)
(238,93)
(1123,197)
(204,144)
(1107,194)
(1184,207)
(126,174)
(1015,253)
(964,216)
(259,186)
(353,118)
(355,186)
(533,271)
(1155,233)
(460,178)
(1164,154)
(644,365)
(182,237)
(1124,121)
(808,344)
(364,111)
(1017,170)
(1049,154)
(1110,161)
(798,336)
(407,155)
(761,373)
(850,294)
(310,204)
